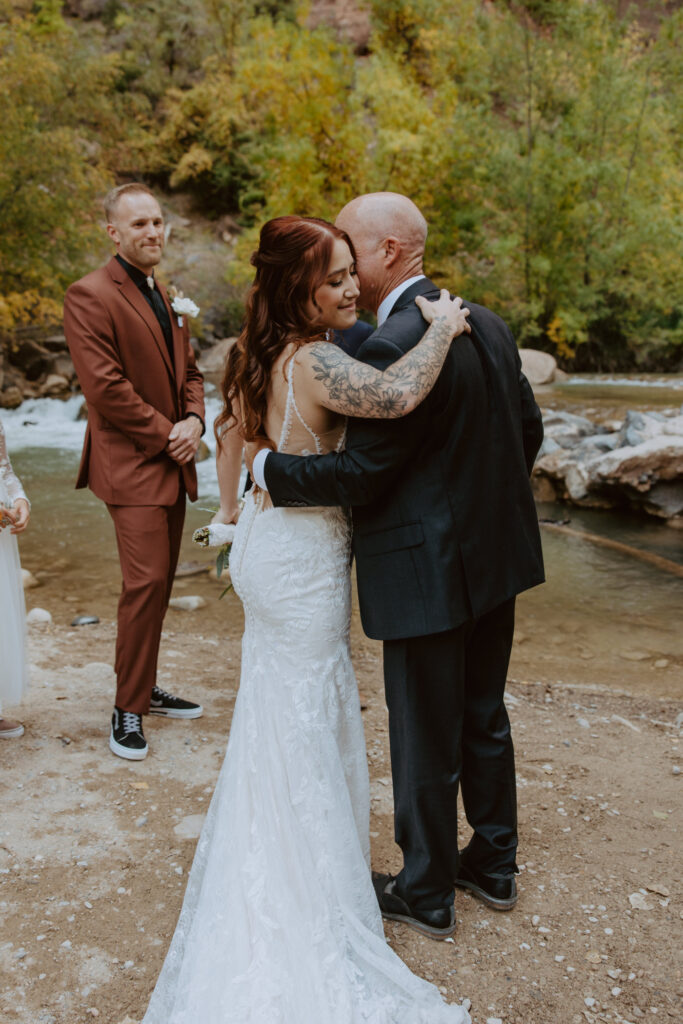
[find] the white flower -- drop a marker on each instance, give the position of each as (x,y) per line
(181,305)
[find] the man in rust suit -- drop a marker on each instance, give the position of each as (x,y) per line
(145,400)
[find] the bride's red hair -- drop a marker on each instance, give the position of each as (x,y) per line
(292,261)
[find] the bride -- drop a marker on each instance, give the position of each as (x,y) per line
(280,923)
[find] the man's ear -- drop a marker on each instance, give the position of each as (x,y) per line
(392,250)
(113,234)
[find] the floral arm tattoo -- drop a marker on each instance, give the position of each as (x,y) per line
(356,389)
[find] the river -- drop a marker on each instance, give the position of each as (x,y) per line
(602,619)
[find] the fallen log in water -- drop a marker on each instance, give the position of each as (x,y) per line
(626,549)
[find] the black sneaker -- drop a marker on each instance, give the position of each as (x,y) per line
(126,738)
(166,704)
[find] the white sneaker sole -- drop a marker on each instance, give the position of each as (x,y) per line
(10,734)
(178,713)
(126,752)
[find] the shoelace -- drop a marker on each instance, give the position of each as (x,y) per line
(132,722)
(159,694)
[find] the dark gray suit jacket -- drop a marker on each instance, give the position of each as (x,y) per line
(444,523)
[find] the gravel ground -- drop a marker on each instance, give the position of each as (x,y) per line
(94,851)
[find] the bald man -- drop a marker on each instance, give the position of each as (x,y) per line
(445,535)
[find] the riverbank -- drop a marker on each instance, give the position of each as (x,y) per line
(94,851)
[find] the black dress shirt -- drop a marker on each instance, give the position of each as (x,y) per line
(154,300)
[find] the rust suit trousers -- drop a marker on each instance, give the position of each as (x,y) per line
(148,539)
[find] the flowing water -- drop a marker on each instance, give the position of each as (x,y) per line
(603,617)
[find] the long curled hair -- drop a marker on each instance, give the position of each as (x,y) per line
(292,261)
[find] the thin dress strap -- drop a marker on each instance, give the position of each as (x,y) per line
(292,407)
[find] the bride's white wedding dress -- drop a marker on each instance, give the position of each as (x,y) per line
(280,924)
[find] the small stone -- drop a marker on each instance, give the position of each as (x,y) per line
(634,655)
(142,820)
(190,827)
(85,620)
(657,887)
(662,663)
(583,722)
(494,1020)
(535,920)
(88,905)
(39,617)
(589,1001)
(20,954)
(675,770)
(28,580)
(614,974)
(129,963)
(178,870)
(187,603)
(121,891)
(66,944)
(638,901)
(616,991)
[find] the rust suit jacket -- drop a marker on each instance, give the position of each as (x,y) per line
(133,394)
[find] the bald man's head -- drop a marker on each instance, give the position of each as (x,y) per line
(389,234)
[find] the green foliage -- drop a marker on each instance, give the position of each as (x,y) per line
(539,138)
(51,164)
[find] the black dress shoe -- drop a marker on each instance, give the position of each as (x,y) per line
(435,924)
(497,891)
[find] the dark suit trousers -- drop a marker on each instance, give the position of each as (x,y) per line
(148,538)
(448,726)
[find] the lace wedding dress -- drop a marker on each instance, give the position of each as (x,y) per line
(280,924)
(13,667)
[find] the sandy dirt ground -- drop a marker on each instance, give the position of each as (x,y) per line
(95,851)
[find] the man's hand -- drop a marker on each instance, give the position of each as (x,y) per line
(183,441)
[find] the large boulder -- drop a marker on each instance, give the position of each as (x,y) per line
(566,429)
(594,465)
(213,359)
(648,475)
(30,357)
(538,367)
(11,397)
(55,386)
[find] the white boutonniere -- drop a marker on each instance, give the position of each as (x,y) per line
(182,306)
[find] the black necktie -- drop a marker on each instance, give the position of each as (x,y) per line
(159,307)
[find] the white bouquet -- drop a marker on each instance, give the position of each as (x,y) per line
(216,535)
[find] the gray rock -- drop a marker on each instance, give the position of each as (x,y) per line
(538,367)
(189,827)
(213,360)
(39,617)
(85,620)
(187,603)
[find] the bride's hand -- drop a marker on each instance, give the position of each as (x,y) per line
(452,309)
(226,515)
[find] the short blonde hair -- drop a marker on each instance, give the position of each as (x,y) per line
(111,199)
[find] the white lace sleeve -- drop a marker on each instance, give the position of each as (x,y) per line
(12,483)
